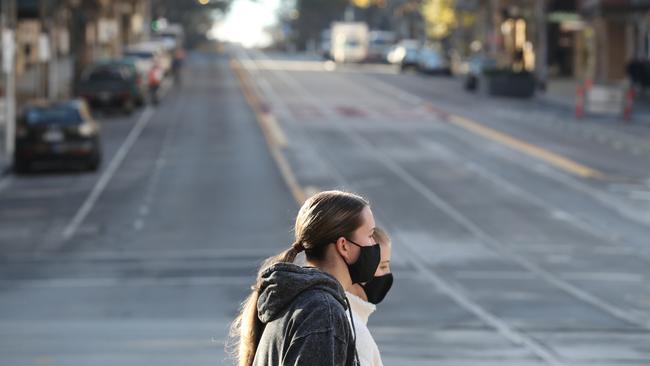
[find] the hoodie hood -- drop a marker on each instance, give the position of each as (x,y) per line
(281,283)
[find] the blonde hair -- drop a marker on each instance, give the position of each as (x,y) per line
(381,237)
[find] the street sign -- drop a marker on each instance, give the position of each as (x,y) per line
(8,48)
(107,30)
(604,99)
(43,47)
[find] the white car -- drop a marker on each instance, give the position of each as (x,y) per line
(404,53)
(432,60)
(147,54)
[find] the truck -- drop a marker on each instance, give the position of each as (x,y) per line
(349,41)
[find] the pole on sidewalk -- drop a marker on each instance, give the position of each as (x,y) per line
(580,101)
(8,25)
(629,101)
(492,34)
(44,48)
(541,61)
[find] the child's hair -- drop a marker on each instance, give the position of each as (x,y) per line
(381,237)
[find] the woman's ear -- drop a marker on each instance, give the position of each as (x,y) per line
(342,248)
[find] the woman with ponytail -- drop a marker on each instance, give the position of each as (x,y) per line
(297,315)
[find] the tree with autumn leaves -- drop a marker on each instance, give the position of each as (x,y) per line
(439,18)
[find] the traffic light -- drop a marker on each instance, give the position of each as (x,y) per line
(158,24)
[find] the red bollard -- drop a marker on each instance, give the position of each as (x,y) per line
(629,101)
(580,102)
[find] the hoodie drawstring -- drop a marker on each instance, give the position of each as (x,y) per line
(354,332)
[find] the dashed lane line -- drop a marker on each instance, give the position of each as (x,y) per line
(85,209)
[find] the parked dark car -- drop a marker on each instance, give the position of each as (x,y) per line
(110,86)
(57,132)
(138,83)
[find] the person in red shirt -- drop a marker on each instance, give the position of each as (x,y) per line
(154,79)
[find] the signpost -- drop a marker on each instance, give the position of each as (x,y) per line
(8,43)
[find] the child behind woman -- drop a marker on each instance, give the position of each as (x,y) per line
(364,298)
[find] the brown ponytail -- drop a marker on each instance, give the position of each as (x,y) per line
(322,219)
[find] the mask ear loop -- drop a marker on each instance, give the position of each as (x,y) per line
(354,332)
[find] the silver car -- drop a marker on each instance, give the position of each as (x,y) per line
(432,60)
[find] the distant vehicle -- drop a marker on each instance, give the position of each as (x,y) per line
(379,44)
(173,33)
(475,67)
(326,44)
(138,82)
(349,41)
(432,60)
(405,53)
(167,44)
(149,53)
(111,86)
(56,131)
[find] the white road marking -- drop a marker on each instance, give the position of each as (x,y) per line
(253,253)
(107,175)
(22,213)
(15,233)
(128,282)
(526,276)
(41,192)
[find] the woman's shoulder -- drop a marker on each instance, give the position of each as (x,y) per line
(319,300)
(317,310)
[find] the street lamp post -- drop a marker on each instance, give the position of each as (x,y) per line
(44,48)
(541,10)
(9,69)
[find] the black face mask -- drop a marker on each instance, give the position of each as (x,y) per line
(363,269)
(377,288)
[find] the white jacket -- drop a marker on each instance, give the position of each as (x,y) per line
(366,347)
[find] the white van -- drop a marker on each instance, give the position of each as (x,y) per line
(349,41)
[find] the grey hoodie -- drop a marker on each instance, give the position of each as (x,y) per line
(303,311)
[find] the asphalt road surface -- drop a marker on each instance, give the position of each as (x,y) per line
(520,237)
